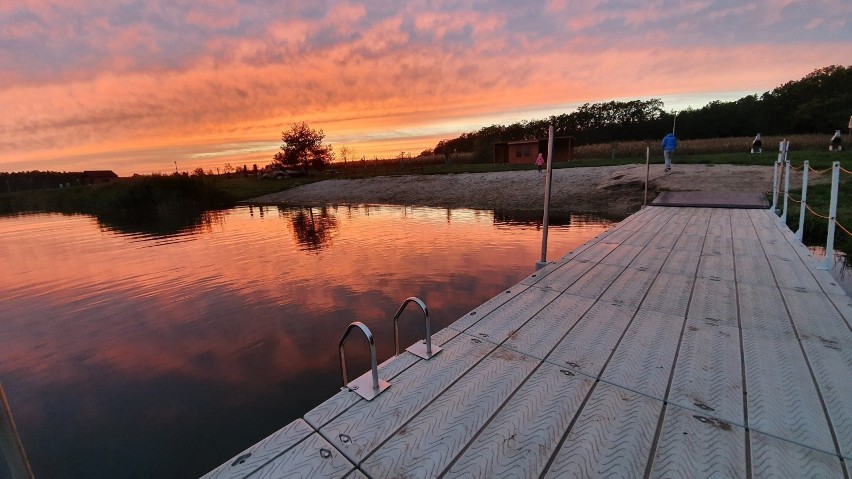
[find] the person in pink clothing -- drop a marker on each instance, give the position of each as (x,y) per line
(539,162)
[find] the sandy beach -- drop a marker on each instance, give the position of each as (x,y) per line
(610,190)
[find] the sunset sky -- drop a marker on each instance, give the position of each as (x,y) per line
(137,86)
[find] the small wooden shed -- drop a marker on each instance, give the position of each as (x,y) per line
(526,151)
(97,176)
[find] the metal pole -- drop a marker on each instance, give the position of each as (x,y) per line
(548,181)
(801,231)
(828,262)
(10,442)
(674,122)
(783,218)
(647,173)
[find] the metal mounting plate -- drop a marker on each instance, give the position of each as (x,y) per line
(363,386)
(419,349)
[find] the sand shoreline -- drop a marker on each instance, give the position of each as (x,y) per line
(606,190)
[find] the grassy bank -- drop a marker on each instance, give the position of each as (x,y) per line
(143,195)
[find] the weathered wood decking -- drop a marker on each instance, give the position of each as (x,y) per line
(684,342)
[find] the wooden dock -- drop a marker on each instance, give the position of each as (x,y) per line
(684,342)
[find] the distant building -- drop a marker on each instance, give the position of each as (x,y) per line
(525,151)
(97,176)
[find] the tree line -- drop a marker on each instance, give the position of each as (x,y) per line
(821,102)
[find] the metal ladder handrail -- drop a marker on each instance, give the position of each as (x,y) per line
(416,348)
(377,385)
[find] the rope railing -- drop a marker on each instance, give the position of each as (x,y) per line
(816,214)
(820,171)
(793,199)
(833,224)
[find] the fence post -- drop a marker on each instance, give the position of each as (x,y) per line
(801,231)
(647,173)
(548,185)
(783,218)
(775,177)
(828,262)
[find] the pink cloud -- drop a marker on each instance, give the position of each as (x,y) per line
(372,81)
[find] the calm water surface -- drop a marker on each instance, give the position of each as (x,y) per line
(130,354)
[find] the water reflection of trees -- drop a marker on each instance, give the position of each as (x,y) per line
(313,227)
(163,222)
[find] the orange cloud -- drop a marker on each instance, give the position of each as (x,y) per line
(372,79)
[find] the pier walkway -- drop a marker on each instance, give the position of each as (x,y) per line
(684,342)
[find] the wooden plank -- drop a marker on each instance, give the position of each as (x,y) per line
(714,300)
(640,238)
(313,457)
(792,274)
(630,288)
(670,294)
(264,452)
(689,243)
(818,319)
(611,438)
(596,252)
(782,398)
(696,445)
(716,266)
(486,308)
(644,358)
(504,322)
(832,369)
(681,262)
(651,258)
(773,457)
(753,269)
(523,436)
(562,278)
(762,308)
(718,245)
(596,281)
(541,333)
(589,344)
(428,443)
(622,255)
(708,375)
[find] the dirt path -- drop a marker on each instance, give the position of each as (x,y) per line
(611,190)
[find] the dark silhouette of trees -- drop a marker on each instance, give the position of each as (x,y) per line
(821,102)
(303,148)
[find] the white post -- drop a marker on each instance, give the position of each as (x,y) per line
(775,178)
(828,262)
(647,173)
(804,206)
(548,180)
(783,218)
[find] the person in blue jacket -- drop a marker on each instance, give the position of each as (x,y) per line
(669,147)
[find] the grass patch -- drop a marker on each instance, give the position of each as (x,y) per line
(815,229)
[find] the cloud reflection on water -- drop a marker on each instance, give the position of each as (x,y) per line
(187,348)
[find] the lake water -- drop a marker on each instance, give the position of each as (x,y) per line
(162,351)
